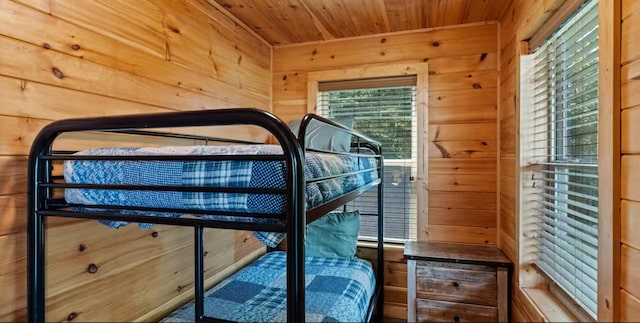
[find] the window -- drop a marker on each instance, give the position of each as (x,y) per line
(385,110)
(559,131)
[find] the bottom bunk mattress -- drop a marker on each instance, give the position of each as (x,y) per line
(337,290)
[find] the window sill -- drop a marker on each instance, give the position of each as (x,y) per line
(374,244)
(548,305)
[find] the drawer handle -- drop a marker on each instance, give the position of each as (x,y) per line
(456,318)
(455,284)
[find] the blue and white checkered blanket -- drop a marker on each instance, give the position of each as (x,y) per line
(239,173)
(337,290)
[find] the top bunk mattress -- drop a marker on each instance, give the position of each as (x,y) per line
(234,173)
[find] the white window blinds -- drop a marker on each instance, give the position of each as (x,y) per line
(559,130)
(385,110)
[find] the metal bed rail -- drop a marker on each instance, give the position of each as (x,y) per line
(362,145)
(41,185)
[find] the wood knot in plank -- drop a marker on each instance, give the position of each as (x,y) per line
(75,47)
(82,247)
(57,73)
(155,234)
(46,46)
(382,53)
(483,56)
(443,151)
(314,52)
(173,29)
(92,269)
(284,77)
(477,86)
(383,40)
(435,44)
(72,316)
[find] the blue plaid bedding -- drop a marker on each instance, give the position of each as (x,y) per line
(254,174)
(337,290)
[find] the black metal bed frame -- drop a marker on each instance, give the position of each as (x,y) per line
(41,203)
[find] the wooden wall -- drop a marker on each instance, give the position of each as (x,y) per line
(461,135)
(395,276)
(520,20)
(62,59)
(630,166)
(619,48)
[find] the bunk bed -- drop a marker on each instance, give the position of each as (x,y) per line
(296,200)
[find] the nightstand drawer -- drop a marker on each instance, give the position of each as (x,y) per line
(455,282)
(441,311)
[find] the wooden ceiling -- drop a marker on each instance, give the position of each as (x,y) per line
(282,22)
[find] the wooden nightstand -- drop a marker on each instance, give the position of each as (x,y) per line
(457,283)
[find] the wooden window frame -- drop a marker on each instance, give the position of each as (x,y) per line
(421,71)
(609,19)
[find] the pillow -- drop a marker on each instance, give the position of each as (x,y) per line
(333,235)
(322,136)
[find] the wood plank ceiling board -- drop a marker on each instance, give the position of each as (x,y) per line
(277,21)
(328,13)
(284,22)
(348,18)
(406,14)
(455,11)
(477,10)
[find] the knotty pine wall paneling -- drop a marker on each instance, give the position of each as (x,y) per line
(630,166)
(520,20)
(64,59)
(461,134)
(395,276)
(618,54)
(462,110)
